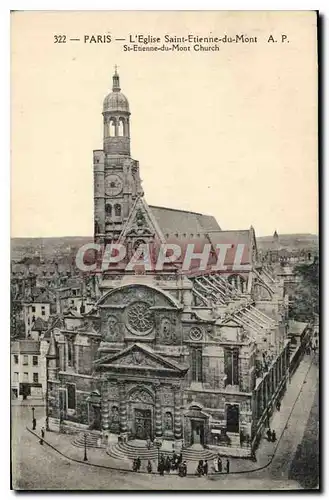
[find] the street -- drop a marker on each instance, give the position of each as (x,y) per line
(295,464)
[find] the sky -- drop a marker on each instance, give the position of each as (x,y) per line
(231,133)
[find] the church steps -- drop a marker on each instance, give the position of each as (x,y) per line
(92,440)
(122,451)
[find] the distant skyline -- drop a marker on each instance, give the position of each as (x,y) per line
(231,134)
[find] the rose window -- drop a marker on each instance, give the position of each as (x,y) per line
(140,318)
(195,333)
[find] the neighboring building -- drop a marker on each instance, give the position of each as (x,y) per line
(38,308)
(27,374)
(193,359)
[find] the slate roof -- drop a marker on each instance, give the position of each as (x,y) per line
(40,325)
(25,347)
(172,221)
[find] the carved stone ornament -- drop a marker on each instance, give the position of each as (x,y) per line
(167,331)
(112,328)
(140,395)
(196,333)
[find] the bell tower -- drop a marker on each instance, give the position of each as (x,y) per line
(116,175)
(116,120)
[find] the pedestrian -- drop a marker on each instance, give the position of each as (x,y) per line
(34,424)
(181,470)
(205,468)
(149,467)
(161,467)
(134,465)
(42,435)
(273,437)
(168,464)
(278,405)
(227,466)
(180,458)
(185,468)
(269,434)
(219,464)
(199,470)
(138,464)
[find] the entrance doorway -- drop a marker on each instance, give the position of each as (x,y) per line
(143,424)
(197,435)
(95,418)
(232,418)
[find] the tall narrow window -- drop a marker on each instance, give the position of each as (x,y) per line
(117,210)
(71,403)
(108,209)
(196,364)
(69,353)
(121,127)
(231,366)
(112,128)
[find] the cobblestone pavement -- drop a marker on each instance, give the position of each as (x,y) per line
(40,467)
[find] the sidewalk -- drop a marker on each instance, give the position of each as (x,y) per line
(28,402)
(265,453)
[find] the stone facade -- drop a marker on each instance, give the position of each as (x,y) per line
(197,360)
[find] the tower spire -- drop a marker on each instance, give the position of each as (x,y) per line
(116,80)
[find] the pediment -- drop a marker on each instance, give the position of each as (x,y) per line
(230,322)
(138,357)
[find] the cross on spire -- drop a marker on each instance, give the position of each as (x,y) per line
(116,81)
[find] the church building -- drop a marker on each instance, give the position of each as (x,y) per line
(194,359)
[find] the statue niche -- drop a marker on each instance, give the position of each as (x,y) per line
(167,331)
(112,329)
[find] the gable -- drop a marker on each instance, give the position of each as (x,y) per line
(141,223)
(138,357)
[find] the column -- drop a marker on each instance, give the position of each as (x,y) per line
(238,283)
(105,406)
(76,358)
(158,412)
(66,355)
(123,408)
(177,409)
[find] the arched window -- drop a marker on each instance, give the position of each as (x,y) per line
(121,127)
(108,209)
(117,210)
(112,128)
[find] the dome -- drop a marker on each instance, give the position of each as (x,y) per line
(116,101)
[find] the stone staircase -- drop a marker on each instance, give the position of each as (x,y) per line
(122,451)
(194,454)
(92,440)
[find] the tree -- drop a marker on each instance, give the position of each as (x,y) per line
(304,303)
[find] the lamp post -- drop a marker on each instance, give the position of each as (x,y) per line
(47,395)
(85,456)
(158,444)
